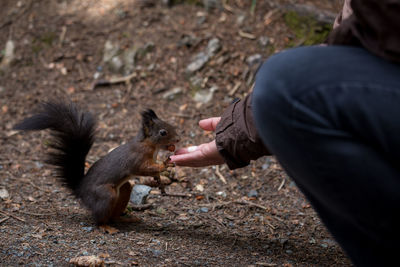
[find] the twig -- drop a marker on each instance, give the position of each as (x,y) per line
(12,215)
(226,6)
(125,79)
(235,88)
(244,202)
(265,264)
(282,184)
(4,219)
(37,214)
(62,35)
(220,176)
(37,187)
(246,35)
(218,221)
(141,207)
(178,195)
(182,115)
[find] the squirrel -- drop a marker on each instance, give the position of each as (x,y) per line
(104,190)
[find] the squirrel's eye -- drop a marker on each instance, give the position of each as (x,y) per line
(163,132)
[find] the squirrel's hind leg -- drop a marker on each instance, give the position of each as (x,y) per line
(121,203)
(102,201)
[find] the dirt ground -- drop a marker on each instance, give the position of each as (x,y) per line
(257,218)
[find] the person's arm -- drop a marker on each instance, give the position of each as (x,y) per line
(236,142)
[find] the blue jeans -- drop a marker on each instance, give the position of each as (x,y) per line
(331,115)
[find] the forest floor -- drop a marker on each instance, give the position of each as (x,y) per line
(256,217)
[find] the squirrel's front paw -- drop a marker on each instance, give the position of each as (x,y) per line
(168,163)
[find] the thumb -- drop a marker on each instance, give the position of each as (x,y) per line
(209,124)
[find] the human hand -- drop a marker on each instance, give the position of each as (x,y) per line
(202,155)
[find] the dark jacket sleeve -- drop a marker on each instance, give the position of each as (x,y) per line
(375,25)
(236,135)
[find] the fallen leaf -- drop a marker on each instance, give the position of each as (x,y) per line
(200,187)
(87,261)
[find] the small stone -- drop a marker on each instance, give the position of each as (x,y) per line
(4,194)
(288,251)
(222,194)
(173,93)
(139,194)
(214,45)
(204,96)
(265,166)
(155,252)
(128,58)
(2,89)
(8,55)
(253,193)
(38,164)
(263,41)
(115,64)
(254,59)
(88,229)
(196,81)
(203,210)
(110,51)
(328,242)
(197,63)
(240,19)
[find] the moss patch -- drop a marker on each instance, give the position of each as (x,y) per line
(307,30)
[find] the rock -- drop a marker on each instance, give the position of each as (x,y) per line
(4,193)
(321,16)
(327,242)
(214,45)
(2,89)
(173,93)
(254,60)
(263,41)
(204,96)
(139,194)
(222,194)
(8,55)
(196,81)
(267,163)
(240,19)
(203,210)
(197,63)
(110,51)
(128,58)
(88,229)
(252,193)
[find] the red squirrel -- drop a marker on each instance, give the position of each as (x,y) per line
(104,189)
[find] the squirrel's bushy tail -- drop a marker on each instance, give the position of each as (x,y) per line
(73,132)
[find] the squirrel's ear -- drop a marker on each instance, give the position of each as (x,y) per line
(148,117)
